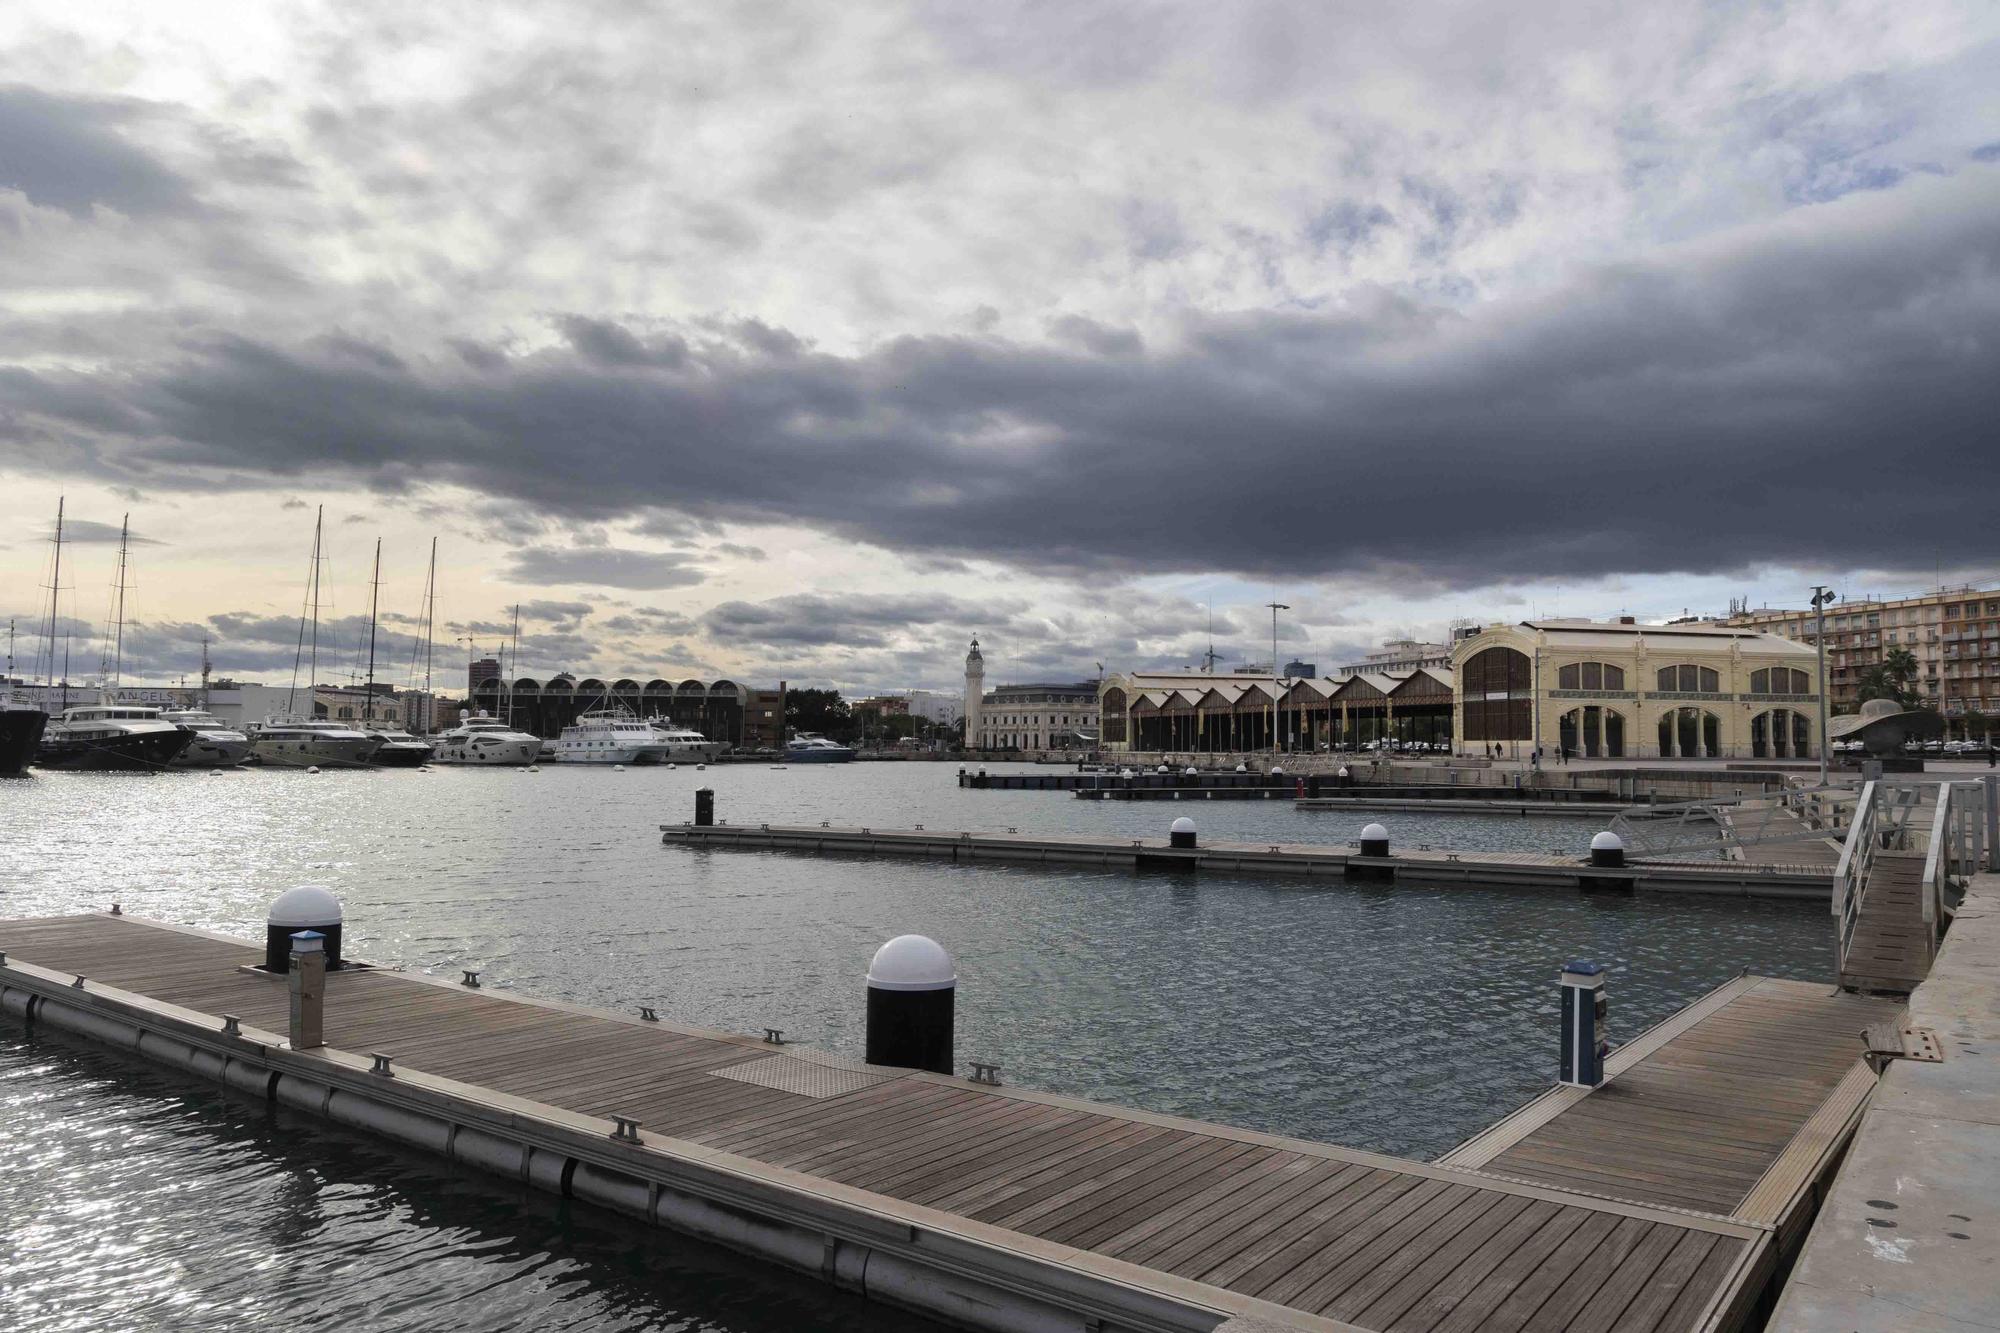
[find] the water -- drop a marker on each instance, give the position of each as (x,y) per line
(1395,1019)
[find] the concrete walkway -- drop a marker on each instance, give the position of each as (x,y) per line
(1909,1237)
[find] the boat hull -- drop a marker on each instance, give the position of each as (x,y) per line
(819,756)
(20,736)
(206,751)
(506,752)
(316,753)
(402,754)
(148,751)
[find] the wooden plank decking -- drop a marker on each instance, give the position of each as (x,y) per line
(1730,1108)
(1580,1232)
(1891,949)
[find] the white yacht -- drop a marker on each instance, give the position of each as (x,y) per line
(311,742)
(611,736)
(685,745)
(216,744)
(484,739)
(112,736)
(809,748)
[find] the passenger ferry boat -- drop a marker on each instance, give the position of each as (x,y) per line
(484,739)
(216,744)
(806,748)
(611,736)
(311,742)
(112,736)
(685,745)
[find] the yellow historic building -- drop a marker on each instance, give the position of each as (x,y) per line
(1703,690)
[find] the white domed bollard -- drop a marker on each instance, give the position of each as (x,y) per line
(1607,849)
(1243,768)
(312,768)
(1374,841)
(912,989)
(1182,833)
(1277,772)
(1190,772)
(307,907)
(1161,769)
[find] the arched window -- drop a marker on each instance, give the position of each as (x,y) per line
(1495,684)
(1590,676)
(1780,680)
(1687,678)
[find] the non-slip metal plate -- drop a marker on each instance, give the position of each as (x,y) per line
(822,1076)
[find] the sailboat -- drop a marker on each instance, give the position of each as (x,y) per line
(108,735)
(399,749)
(303,739)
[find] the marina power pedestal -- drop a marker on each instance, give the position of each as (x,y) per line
(1584,1023)
(704,807)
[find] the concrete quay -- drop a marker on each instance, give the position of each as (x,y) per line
(1908,1240)
(1526,870)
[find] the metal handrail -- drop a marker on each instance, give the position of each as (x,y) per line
(1850,874)
(1937,860)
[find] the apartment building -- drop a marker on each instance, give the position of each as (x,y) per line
(1953,633)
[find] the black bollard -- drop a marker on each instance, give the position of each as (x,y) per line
(1607,849)
(1374,841)
(307,907)
(1312,787)
(704,807)
(912,988)
(1182,833)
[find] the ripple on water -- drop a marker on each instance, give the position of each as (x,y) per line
(1399,1020)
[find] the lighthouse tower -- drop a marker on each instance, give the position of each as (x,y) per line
(975,693)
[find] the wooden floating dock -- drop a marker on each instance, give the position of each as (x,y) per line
(1004,1208)
(1419,866)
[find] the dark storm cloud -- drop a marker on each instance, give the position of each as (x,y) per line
(82,530)
(605,566)
(70,153)
(543,609)
(1756,396)
(855,620)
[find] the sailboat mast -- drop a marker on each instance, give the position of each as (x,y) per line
(515,667)
(55,597)
(118,607)
(430,633)
(374,597)
(311,605)
(312,675)
(204,673)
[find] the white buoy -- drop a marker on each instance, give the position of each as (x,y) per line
(671,766)
(534,768)
(521,770)
(618,768)
(701,768)
(312,768)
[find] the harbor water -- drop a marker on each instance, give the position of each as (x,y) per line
(1397,1019)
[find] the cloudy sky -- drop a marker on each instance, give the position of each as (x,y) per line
(809,340)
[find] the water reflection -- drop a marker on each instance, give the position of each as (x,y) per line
(1397,1019)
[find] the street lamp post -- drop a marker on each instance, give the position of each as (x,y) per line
(1821,597)
(1275,608)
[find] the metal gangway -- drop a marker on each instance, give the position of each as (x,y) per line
(1903,867)
(1807,820)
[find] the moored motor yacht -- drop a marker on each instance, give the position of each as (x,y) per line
(311,742)
(399,749)
(683,743)
(215,743)
(483,739)
(21,725)
(111,737)
(807,748)
(611,736)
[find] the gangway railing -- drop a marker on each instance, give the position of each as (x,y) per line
(1957,850)
(1850,873)
(1715,826)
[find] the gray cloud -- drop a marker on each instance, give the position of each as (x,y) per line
(605,566)
(1701,410)
(90,531)
(70,153)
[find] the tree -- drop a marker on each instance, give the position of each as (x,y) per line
(1895,679)
(822,711)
